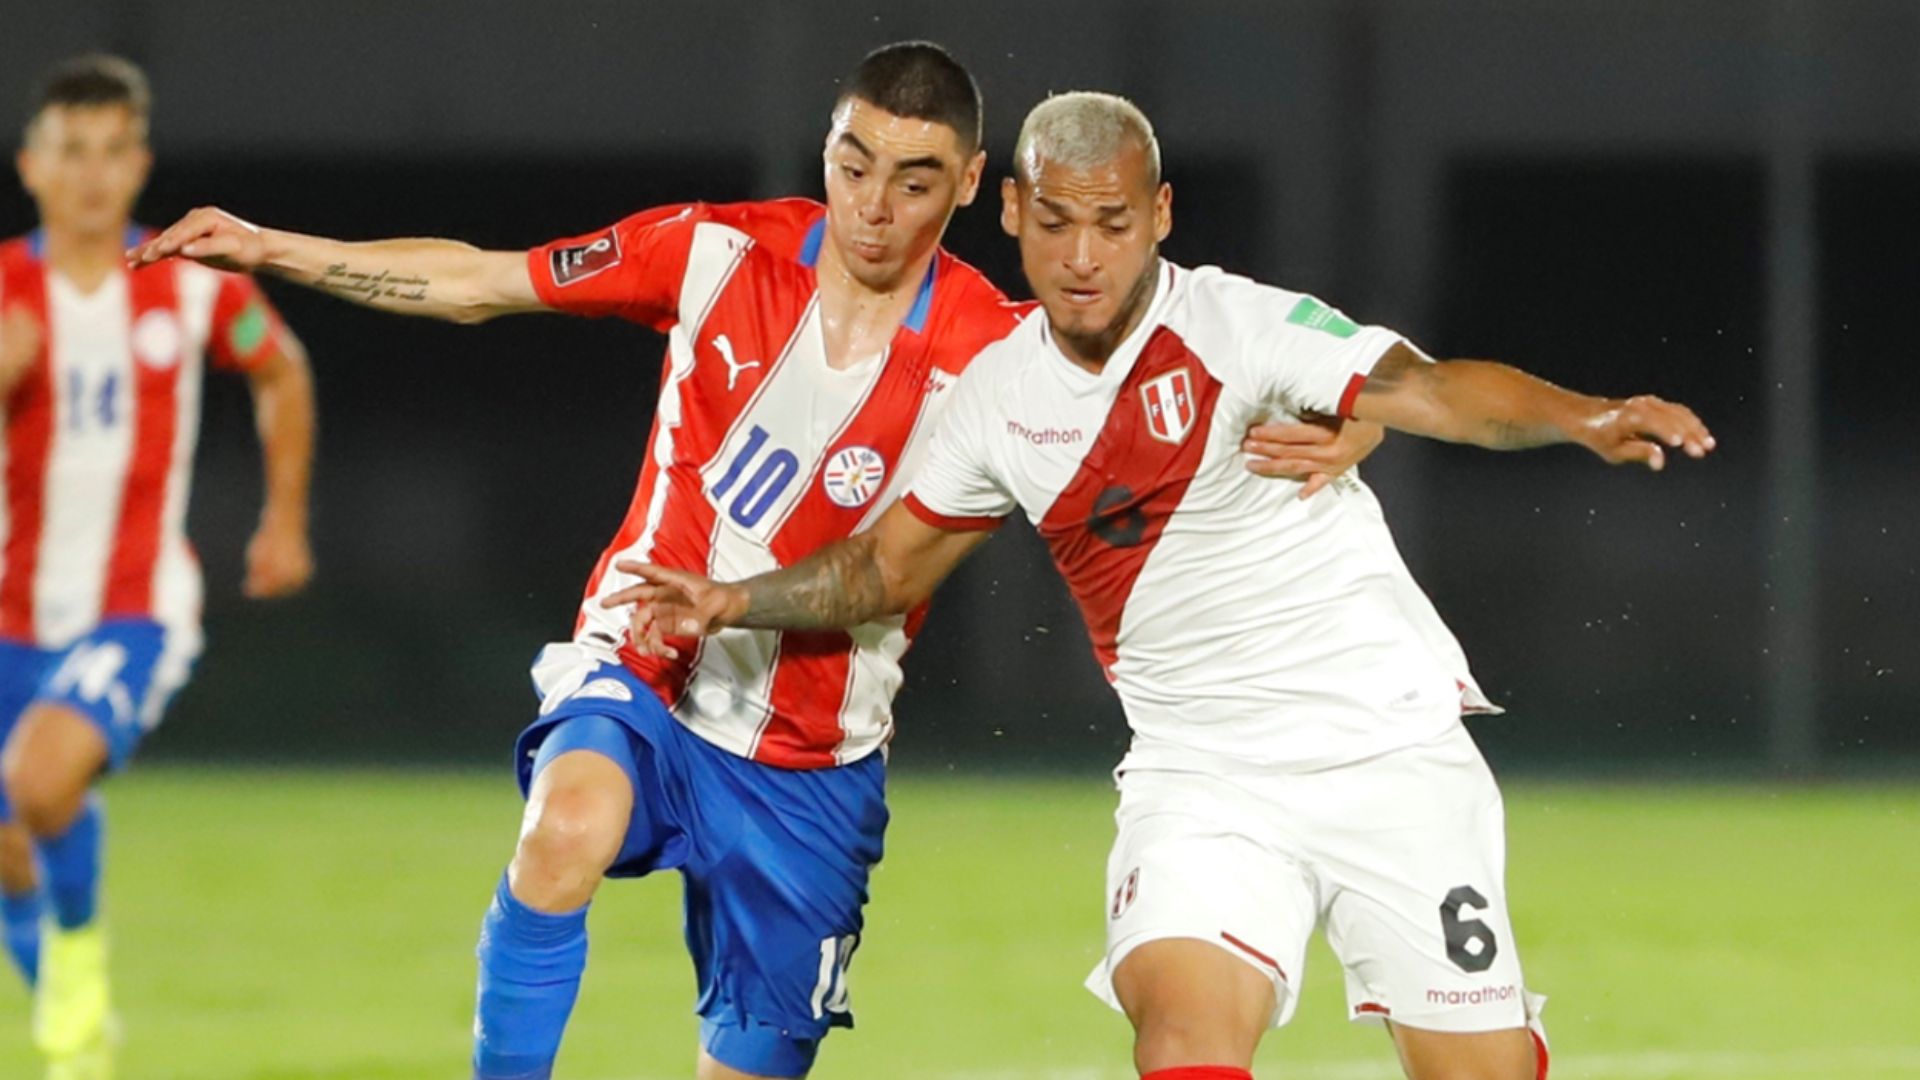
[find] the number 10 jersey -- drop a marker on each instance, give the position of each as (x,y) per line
(761,453)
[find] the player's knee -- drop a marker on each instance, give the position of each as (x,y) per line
(1168,1040)
(570,837)
(16,859)
(1191,1003)
(44,801)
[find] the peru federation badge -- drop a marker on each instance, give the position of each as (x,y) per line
(853,476)
(1169,403)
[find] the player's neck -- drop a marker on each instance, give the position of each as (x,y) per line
(84,258)
(860,320)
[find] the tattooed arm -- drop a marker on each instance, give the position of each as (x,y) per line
(1503,408)
(443,279)
(888,569)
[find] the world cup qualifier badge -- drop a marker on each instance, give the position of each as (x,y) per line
(853,476)
(580,261)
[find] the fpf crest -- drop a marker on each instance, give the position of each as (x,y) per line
(1168,400)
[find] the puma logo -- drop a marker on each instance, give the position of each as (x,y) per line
(734,367)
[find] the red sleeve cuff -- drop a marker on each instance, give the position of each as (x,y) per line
(539,271)
(950,524)
(1354,386)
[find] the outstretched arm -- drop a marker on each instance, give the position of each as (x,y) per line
(888,569)
(1503,408)
(280,557)
(443,279)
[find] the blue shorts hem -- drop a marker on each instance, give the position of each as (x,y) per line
(641,714)
(122,705)
(757,1048)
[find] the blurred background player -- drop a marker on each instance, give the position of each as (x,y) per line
(809,349)
(100,593)
(1298,756)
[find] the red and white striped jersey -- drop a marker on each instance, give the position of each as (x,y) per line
(100,435)
(761,453)
(1240,625)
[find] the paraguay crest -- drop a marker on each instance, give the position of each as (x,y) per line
(1169,403)
(157,339)
(853,476)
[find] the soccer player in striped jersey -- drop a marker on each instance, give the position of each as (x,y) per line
(100,372)
(1298,757)
(809,350)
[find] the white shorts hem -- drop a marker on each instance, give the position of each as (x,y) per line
(1470,1020)
(1100,981)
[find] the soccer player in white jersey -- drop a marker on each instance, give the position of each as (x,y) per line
(809,349)
(100,372)
(1298,754)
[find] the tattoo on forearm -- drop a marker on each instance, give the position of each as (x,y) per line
(372,286)
(1512,435)
(838,586)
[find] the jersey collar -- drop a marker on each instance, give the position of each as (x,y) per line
(916,319)
(37,240)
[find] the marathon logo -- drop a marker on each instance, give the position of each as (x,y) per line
(1482,996)
(1046,436)
(582,261)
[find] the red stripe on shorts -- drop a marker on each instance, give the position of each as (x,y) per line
(1255,953)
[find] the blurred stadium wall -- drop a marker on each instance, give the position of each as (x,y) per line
(1715,201)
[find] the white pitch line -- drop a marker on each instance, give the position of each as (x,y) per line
(1646,1065)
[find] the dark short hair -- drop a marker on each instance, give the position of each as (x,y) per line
(94,79)
(921,80)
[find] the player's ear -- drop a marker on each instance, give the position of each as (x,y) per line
(144,167)
(1010,206)
(1163,212)
(970,178)
(23,158)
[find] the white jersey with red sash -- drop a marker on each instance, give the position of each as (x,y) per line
(760,453)
(100,436)
(1240,625)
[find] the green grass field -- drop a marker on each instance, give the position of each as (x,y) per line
(280,925)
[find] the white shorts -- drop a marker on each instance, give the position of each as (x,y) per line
(1402,855)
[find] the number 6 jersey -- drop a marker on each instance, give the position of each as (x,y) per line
(759,454)
(1242,626)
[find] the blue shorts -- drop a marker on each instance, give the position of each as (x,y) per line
(121,676)
(775,862)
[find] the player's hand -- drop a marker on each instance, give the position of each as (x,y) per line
(1316,450)
(210,236)
(674,603)
(21,337)
(1641,430)
(279,561)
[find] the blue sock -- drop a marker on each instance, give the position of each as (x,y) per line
(530,966)
(22,914)
(71,863)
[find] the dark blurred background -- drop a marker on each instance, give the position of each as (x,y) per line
(1718,202)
